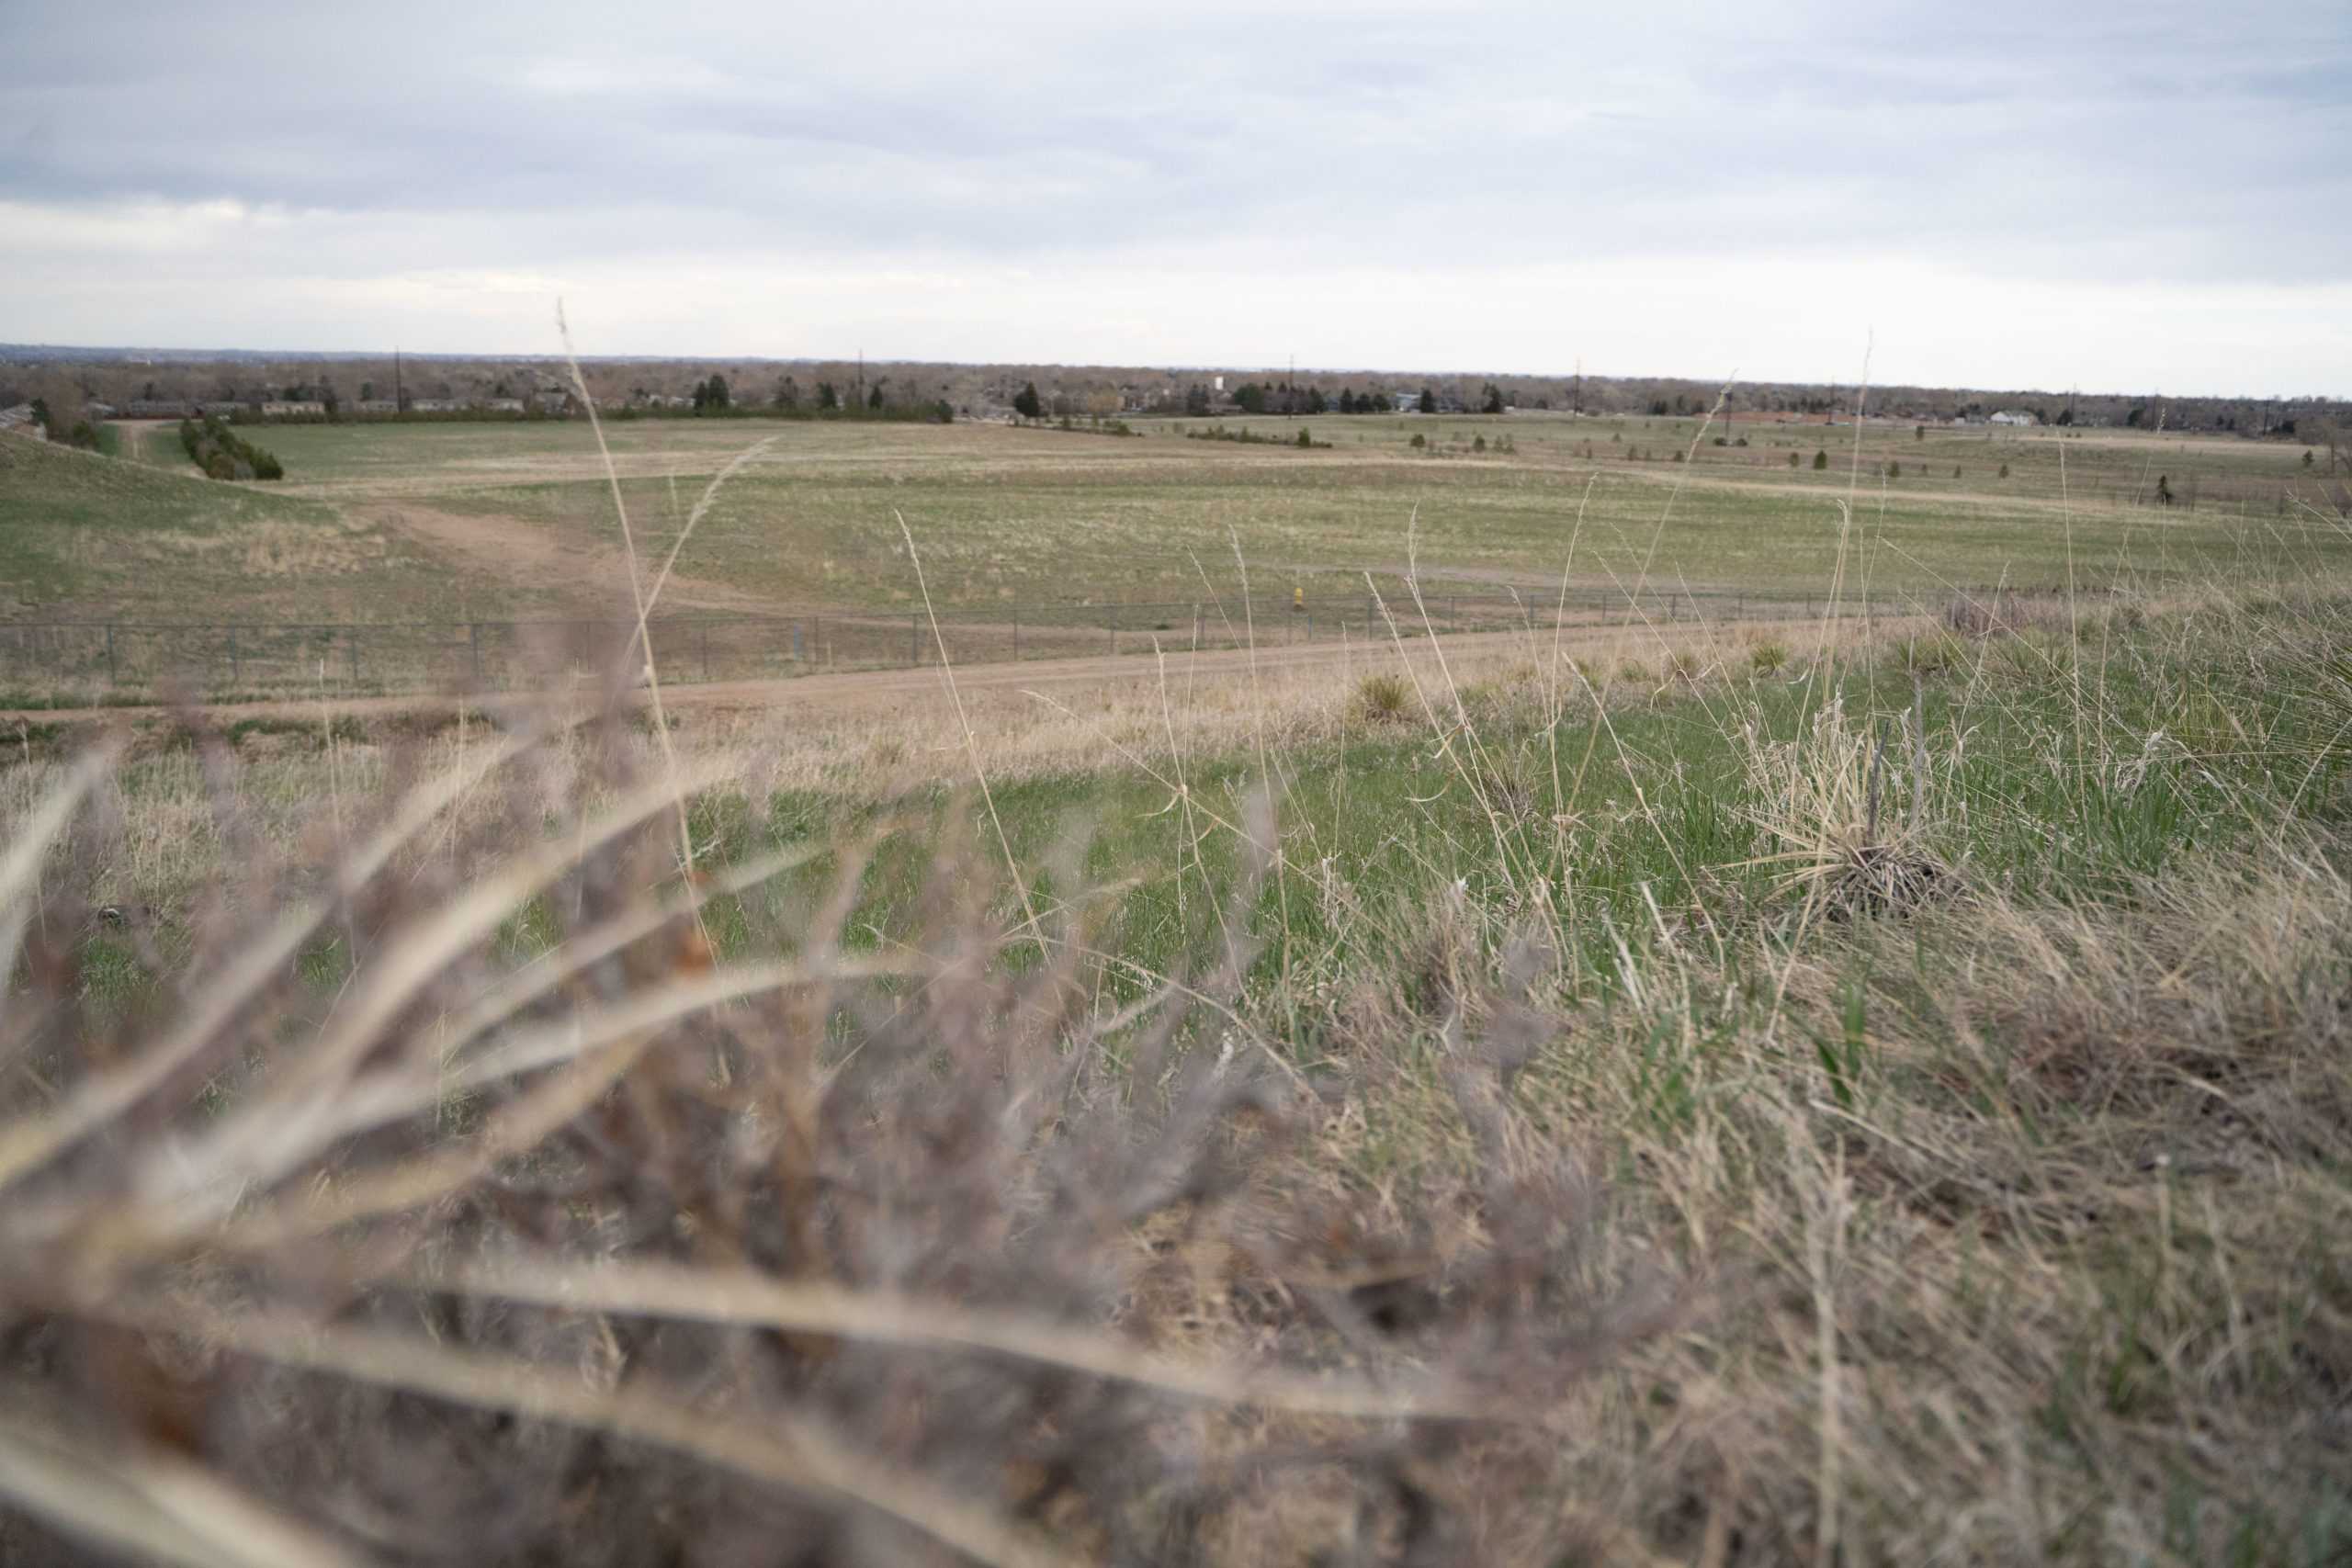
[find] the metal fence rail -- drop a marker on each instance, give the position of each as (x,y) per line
(49,659)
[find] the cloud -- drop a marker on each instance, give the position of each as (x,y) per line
(2020,159)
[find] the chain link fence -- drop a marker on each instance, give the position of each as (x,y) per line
(46,663)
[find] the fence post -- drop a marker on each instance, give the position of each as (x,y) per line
(112,678)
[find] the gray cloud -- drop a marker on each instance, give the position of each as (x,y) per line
(2165,144)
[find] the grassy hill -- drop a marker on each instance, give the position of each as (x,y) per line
(83,535)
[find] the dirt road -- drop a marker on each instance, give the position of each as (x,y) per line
(874,690)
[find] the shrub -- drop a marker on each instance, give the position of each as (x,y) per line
(1766,657)
(1383,697)
(223,454)
(1420,442)
(1820,460)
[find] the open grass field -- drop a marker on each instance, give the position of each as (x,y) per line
(1823,1089)
(518,518)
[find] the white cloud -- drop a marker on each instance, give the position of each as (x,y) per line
(2105,194)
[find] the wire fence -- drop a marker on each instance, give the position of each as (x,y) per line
(47,661)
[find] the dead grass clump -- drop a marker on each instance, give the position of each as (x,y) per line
(1848,808)
(1383,697)
(901,1256)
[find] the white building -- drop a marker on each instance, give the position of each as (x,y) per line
(2008,417)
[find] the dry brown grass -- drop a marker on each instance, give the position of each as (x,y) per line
(1853,1225)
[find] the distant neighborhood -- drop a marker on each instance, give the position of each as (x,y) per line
(87,386)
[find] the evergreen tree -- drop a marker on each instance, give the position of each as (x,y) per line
(874,398)
(1493,403)
(826,397)
(1025,404)
(1428,401)
(1820,460)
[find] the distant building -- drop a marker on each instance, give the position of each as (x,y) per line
(434,405)
(377,405)
(293,408)
(552,402)
(159,407)
(19,421)
(2009,417)
(503,405)
(94,412)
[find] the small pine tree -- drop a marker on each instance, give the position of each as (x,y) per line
(1478,443)
(874,398)
(1894,470)
(1428,401)
(1493,403)
(2164,489)
(1792,459)
(2307,459)
(1420,442)
(2005,470)
(1304,440)
(1820,460)
(826,397)
(1025,404)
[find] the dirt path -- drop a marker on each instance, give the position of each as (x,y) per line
(871,690)
(499,549)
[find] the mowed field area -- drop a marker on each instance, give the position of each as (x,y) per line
(473,521)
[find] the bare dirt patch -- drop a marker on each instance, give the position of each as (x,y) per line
(570,572)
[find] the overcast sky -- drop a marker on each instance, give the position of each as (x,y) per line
(2151,195)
